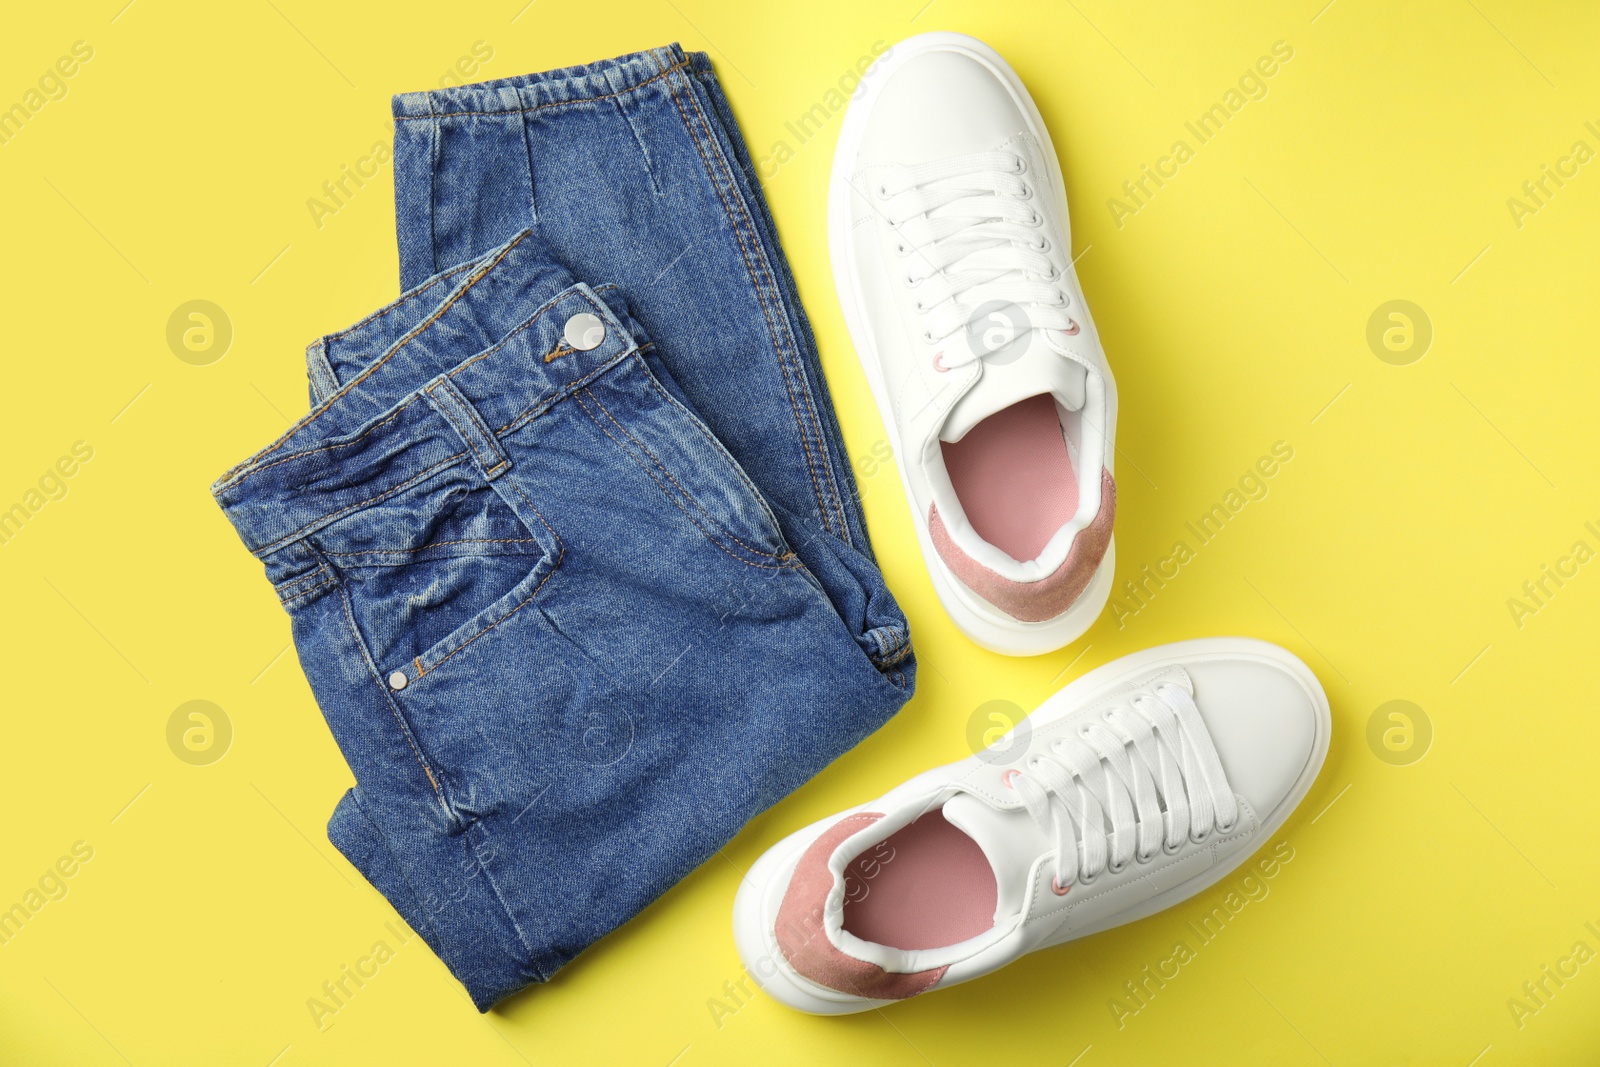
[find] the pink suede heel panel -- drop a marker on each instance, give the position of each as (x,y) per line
(804,942)
(1050,596)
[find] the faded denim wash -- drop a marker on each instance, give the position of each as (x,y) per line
(574,614)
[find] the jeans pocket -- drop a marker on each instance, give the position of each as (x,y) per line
(656,428)
(427,571)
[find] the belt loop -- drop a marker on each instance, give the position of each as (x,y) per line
(324,383)
(459,412)
(524,107)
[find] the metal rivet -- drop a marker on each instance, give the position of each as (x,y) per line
(584,331)
(398,680)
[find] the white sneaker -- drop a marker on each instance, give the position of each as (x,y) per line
(1148,779)
(947,228)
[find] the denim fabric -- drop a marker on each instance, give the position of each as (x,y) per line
(573,614)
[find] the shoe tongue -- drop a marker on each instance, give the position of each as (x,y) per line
(1009,379)
(1010,840)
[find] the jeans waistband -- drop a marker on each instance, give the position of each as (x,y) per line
(567,85)
(426,403)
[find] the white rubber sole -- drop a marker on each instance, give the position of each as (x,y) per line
(755,906)
(982,623)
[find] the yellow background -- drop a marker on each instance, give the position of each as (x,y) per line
(1234,308)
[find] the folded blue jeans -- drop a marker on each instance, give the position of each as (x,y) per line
(571,547)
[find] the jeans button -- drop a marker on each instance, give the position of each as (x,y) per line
(398,680)
(584,331)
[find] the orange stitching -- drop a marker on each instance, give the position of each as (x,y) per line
(417,331)
(302,594)
(239,473)
(498,621)
(766,311)
(709,436)
(561,546)
(284,587)
(555,396)
(357,439)
(668,495)
(560,350)
(693,499)
(678,503)
(405,298)
(796,367)
(405,728)
(744,253)
(540,107)
(467,439)
(437,544)
(532,320)
(897,657)
(561,554)
(286,538)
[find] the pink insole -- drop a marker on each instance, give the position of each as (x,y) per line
(1014,478)
(928,885)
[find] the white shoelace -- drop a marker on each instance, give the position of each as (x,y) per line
(1148,771)
(967,234)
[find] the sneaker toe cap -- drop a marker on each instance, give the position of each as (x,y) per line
(937,105)
(1265,722)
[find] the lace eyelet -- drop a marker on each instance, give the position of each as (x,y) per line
(1173,850)
(1087,879)
(902,249)
(1142,858)
(1042,246)
(938,365)
(1205,835)
(883,190)
(1010,776)
(1027,191)
(1022,164)
(1115,869)
(927,337)
(1057,888)
(1037,219)
(1072,331)
(1231,827)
